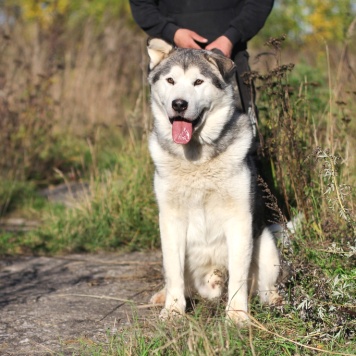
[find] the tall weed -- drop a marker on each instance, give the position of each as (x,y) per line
(295,123)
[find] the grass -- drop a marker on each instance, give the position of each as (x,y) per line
(285,330)
(316,318)
(120,211)
(117,211)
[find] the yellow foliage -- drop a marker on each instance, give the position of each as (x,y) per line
(325,20)
(43,11)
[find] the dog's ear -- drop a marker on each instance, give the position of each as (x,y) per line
(158,50)
(225,65)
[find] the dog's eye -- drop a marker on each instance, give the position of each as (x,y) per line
(170,81)
(198,82)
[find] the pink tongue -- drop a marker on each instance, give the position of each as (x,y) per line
(182,131)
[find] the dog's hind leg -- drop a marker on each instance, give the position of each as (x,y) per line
(212,284)
(265,268)
(159,297)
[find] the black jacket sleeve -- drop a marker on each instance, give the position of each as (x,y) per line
(252,14)
(148,17)
(249,21)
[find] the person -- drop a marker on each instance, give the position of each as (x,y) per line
(206,24)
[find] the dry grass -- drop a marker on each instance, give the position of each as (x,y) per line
(58,87)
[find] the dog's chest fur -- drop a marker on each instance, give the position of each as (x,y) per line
(204,194)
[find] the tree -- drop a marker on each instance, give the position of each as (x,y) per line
(309,20)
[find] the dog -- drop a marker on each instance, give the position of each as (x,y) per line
(211,227)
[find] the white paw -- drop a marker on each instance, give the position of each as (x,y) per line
(236,311)
(237,317)
(213,284)
(170,314)
(217,278)
(174,306)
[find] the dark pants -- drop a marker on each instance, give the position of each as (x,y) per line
(246,88)
(247,91)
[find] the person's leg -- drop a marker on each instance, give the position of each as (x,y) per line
(246,91)
(246,88)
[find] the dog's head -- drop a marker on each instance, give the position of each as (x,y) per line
(188,86)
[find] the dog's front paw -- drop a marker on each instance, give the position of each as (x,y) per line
(237,317)
(170,314)
(236,312)
(174,307)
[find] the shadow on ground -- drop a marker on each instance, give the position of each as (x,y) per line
(49,304)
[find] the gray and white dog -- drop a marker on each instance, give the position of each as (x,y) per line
(205,184)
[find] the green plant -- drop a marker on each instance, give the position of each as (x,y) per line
(118,211)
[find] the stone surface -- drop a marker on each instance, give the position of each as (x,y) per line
(49,304)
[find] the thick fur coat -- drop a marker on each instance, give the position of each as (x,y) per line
(212,233)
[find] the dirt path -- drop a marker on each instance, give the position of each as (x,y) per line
(48,304)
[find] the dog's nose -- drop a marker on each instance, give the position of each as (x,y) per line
(179,105)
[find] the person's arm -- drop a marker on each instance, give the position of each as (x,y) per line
(249,21)
(244,26)
(148,17)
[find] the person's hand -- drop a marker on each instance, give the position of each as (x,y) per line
(222,43)
(186,39)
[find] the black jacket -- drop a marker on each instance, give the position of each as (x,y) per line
(238,20)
